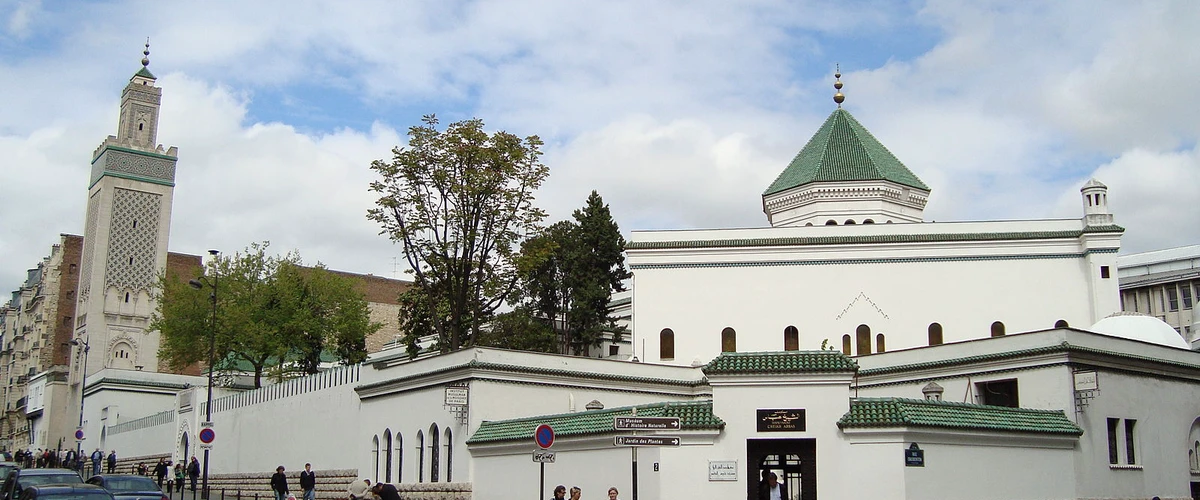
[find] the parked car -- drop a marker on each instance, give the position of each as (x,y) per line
(78,491)
(20,479)
(5,469)
(128,486)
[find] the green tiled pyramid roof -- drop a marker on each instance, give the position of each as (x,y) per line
(693,415)
(736,363)
(894,412)
(843,150)
(145,73)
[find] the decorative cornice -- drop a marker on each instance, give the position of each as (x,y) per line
(894,260)
(1062,348)
(871,239)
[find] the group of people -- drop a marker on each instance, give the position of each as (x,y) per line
(560,491)
(66,459)
(308,483)
(174,475)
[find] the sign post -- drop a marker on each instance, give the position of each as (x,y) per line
(544,437)
(207,435)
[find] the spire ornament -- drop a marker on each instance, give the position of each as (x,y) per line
(146,54)
(837,84)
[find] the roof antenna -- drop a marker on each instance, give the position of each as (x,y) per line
(146,54)
(837,84)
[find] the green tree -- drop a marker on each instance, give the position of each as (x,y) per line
(271,312)
(569,272)
(459,201)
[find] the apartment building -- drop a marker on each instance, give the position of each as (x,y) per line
(1164,284)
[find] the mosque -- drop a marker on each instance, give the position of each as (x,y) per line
(851,348)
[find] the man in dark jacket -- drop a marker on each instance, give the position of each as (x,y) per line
(385,491)
(279,484)
(193,470)
(308,482)
(112,461)
(160,470)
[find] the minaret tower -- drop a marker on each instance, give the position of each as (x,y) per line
(125,236)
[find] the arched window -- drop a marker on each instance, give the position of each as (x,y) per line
(1062,323)
(399,458)
(935,334)
(449,456)
(420,457)
(868,221)
(433,453)
(846,345)
(830,222)
(879,346)
(997,329)
(791,339)
(387,454)
(728,340)
(375,456)
(862,338)
(666,344)
(848,222)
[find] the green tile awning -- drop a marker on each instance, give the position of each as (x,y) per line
(899,412)
(843,150)
(872,239)
(747,363)
(693,415)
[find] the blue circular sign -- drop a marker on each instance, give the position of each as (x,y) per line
(79,434)
(207,435)
(544,436)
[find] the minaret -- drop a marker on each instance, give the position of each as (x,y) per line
(125,235)
(1095,204)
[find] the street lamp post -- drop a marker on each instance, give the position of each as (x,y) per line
(212,346)
(83,345)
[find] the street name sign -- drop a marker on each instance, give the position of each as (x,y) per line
(646,441)
(543,457)
(646,423)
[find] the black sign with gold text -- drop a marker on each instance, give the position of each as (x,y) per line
(778,420)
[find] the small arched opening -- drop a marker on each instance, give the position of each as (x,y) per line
(666,344)
(1062,323)
(728,340)
(846,344)
(791,338)
(862,337)
(935,334)
(997,329)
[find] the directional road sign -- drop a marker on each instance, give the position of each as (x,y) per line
(646,441)
(544,436)
(543,457)
(646,423)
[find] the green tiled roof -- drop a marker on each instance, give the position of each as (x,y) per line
(693,415)
(737,363)
(843,150)
(872,239)
(898,412)
(145,73)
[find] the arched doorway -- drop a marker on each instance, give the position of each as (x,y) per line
(183,447)
(793,460)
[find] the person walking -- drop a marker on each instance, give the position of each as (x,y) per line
(160,471)
(112,462)
(612,493)
(575,492)
(308,482)
(279,484)
(193,470)
(385,491)
(97,459)
(560,492)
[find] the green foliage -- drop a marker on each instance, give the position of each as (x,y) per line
(569,272)
(270,312)
(459,201)
(519,329)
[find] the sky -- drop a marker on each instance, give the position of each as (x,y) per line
(678,113)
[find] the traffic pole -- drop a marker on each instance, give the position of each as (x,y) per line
(542,483)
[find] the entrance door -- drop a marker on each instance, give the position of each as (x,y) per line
(794,461)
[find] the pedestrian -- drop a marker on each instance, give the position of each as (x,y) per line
(193,470)
(358,489)
(612,493)
(385,491)
(142,470)
(575,492)
(112,462)
(560,492)
(97,459)
(279,484)
(308,482)
(179,474)
(160,471)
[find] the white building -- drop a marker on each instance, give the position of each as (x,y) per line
(1164,284)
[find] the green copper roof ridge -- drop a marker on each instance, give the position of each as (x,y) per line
(144,72)
(904,412)
(915,182)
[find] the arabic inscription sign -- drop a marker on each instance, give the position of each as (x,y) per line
(780,420)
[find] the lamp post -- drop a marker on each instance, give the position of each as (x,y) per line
(212,346)
(83,345)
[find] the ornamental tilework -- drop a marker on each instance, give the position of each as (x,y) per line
(136,92)
(134,164)
(89,248)
(133,240)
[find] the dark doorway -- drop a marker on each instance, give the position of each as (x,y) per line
(793,460)
(1196,491)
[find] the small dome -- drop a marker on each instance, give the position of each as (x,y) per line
(1141,328)
(1093,183)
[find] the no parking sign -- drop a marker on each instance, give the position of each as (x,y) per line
(207,435)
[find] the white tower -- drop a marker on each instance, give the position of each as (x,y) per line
(125,236)
(1095,204)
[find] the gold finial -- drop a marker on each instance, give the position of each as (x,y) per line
(146,54)
(837,84)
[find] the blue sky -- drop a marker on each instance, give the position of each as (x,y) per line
(678,113)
